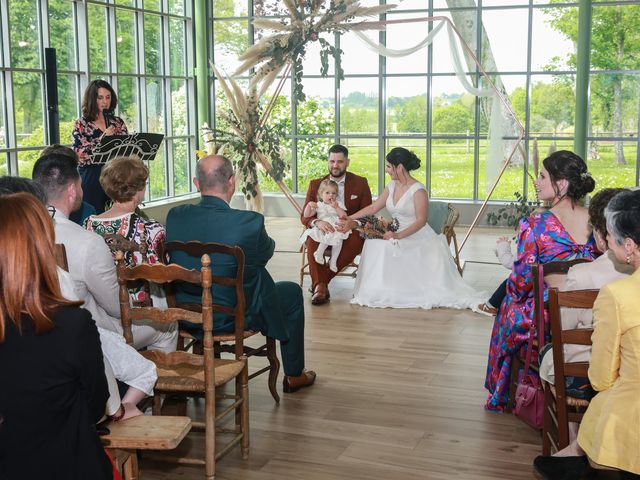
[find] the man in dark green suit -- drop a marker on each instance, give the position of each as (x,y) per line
(276,309)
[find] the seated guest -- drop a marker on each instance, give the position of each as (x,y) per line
(86,209)
(90,262)
(124,180)
(609,433)
(593,275)
(276,309)
(51,370)
(121,361)
(560,233)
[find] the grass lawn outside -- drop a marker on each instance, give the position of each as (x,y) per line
(452,167)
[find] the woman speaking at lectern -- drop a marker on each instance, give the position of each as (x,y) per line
(97,121)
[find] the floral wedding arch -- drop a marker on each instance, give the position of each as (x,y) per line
(251,141)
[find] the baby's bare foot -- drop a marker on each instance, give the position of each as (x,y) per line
(130,410)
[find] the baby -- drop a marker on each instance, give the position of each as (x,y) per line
(329,210)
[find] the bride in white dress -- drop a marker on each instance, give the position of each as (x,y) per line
(413,267)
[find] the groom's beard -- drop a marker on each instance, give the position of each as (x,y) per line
(337,173)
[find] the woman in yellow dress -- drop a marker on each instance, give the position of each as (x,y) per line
(609,433)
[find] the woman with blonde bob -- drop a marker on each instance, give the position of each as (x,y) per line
(51,368)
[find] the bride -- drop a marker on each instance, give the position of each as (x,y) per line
(413,267)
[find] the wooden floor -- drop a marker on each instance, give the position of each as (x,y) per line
(399,393)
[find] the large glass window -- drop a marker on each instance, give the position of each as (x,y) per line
(528,49)
(139,46)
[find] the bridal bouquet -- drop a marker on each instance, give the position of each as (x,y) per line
(376,227)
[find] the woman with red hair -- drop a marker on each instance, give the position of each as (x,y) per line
(51,370)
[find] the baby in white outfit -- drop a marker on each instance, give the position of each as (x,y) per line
(328,210)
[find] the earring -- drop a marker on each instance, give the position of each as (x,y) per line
(628,259)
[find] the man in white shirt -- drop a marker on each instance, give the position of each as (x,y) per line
(90,262)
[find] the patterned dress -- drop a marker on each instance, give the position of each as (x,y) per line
(541,239)
(131,226)
(86,136)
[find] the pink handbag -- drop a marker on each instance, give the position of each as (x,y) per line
(529,404)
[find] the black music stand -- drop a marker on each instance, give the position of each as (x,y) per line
(142,145)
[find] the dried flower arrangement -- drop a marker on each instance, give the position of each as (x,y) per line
(250,139)
(249,142)
(308,19)
(376,227)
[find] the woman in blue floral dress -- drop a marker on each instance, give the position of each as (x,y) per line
(557,234)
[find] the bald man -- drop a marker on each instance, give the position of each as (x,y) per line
(276,309)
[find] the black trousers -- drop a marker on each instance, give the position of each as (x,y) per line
(498,296)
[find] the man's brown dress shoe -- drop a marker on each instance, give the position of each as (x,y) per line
(292,384)
(320,294)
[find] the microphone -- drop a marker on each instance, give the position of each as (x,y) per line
(108,116)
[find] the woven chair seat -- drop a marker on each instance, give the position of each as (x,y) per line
(188,375)
(571,401)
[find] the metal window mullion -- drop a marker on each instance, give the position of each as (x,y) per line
(43,40)
(190,91)
(527,102)
(43,34)
(10,125)
(294,139)
(10,118)
(382,105)
(428,146)
(477,104)
(81,25)
(168,116)
(111,28)
(336,100)
(141,84)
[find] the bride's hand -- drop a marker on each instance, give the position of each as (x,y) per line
(389,235)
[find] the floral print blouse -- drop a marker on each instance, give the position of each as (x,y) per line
(131,226)
(86,136)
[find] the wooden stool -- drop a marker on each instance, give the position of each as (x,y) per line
(143,432)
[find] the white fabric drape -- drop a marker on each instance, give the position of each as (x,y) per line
(499,121)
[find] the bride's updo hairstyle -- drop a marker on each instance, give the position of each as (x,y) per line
(402,156)
(566,165)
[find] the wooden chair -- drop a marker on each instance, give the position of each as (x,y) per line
(517,363)
(443,218)
(350,270)
(143,432)
(560,409)
(225,343)
(188,374)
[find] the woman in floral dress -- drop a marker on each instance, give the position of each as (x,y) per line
(560,233)
(88,132)
(124,180)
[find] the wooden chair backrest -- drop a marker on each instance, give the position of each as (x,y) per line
(578,336)
(550,268)
(198,249)
(163,275)
(61,256)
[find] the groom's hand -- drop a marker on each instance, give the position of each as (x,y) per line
(346,224)
(323,226)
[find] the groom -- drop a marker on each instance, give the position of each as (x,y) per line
(354,194)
